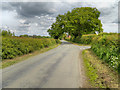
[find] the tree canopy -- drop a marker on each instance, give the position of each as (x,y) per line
(79,21)
(7,33)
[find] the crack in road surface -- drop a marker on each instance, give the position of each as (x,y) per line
(57,68)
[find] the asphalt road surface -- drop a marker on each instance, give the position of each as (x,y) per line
(57,68)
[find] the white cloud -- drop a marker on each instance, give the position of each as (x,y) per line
(22,21)
(53,10)
(37,17)
(36,24)
(9,18)
(110,27)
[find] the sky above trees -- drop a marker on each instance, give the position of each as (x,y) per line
(36,17)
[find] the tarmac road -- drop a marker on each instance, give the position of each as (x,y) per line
(57,68)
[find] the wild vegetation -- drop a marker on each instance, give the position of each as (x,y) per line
(105,46)
(16,46)
(34,36)
(98,73)
(7,33)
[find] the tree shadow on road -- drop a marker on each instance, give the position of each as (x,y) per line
(63,43)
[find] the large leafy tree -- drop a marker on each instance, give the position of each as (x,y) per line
(79,21)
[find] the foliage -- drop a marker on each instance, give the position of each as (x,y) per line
(8,62)
(17,46)
(79,21)
(34,36)
(7,33)
(105,46)
(91,71)
(85,39)
(88,38)
(98,73)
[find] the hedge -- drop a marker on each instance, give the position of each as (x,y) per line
(85,39)
(105,46)
(17,46)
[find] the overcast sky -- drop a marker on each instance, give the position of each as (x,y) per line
(35,18)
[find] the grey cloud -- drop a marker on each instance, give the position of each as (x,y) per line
(110,14)
(27,22)
(7,6)
(118,12)
(105,11)
(31,9)
(109,10)
(23,27)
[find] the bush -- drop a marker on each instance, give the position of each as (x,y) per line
(107,48)
(17,46)
(85,39)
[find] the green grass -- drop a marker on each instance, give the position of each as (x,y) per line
(10,62)
(91,72)
(98,72)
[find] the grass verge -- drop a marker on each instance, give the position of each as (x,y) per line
(98,72)
(9,62)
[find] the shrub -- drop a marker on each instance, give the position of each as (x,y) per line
(16,46)
(107,48)
(85,39)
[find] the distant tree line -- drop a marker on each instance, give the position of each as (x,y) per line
(6,33)
(34,36)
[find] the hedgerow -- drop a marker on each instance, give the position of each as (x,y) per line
(105,46)
(85,39)
(17,46)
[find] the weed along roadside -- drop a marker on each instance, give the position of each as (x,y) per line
(98,72)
